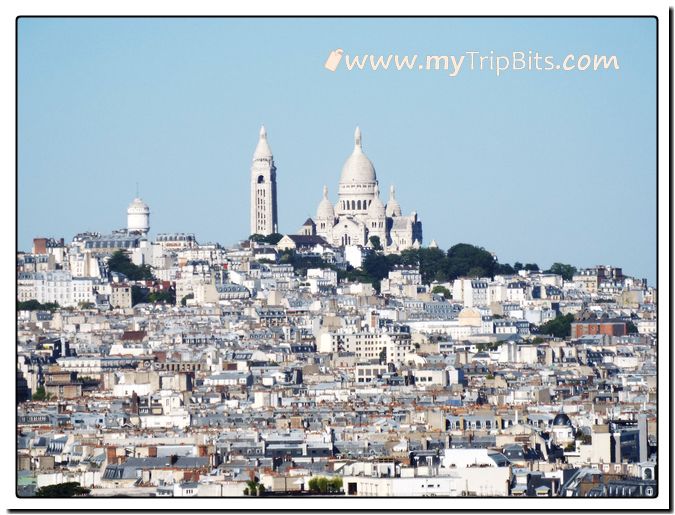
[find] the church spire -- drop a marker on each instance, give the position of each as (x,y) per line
(262,150)
(325,191)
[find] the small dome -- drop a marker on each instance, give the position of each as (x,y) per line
(138,206)
(325,210)
(393,207)
(376,208)
(357,167)
(561,419)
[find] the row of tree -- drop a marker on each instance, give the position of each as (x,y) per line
(323,485)
(270,239)
(461,260)
(34,305)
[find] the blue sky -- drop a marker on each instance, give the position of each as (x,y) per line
(534,166)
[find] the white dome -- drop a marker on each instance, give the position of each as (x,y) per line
(357,167)
(325,210)
(393,207)
(376,207)
(138,206)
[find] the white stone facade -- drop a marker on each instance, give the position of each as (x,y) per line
(359,214)
(263,189)
(138,217)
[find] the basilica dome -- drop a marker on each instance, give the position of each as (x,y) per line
(325,210)
(376,208)
(357,168)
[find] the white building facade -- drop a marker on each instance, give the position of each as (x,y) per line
(359,214)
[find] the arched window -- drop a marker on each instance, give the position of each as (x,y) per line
(353,204)
(358,205)
(261,179)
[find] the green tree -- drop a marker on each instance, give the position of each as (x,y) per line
(40,394)
(335,484)
(463,258)
(301,263)
(532,267)
(183,301)
(323,485)
(560,327)
(441,290)
(375,242)
(138,295)
(476,271)
(252,487)
(162,297)
(121,263)
(566,271)
(504,269)
(631,328)
(70,489)
(34,305)
(270,239)
(432,263)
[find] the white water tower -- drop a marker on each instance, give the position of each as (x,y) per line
(138,217)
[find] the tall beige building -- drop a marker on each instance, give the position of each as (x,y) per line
(263,188)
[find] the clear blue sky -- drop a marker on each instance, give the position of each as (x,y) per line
(535,166)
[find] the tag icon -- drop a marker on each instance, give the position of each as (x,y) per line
(333,60)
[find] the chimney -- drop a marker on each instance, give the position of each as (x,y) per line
(111,455)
